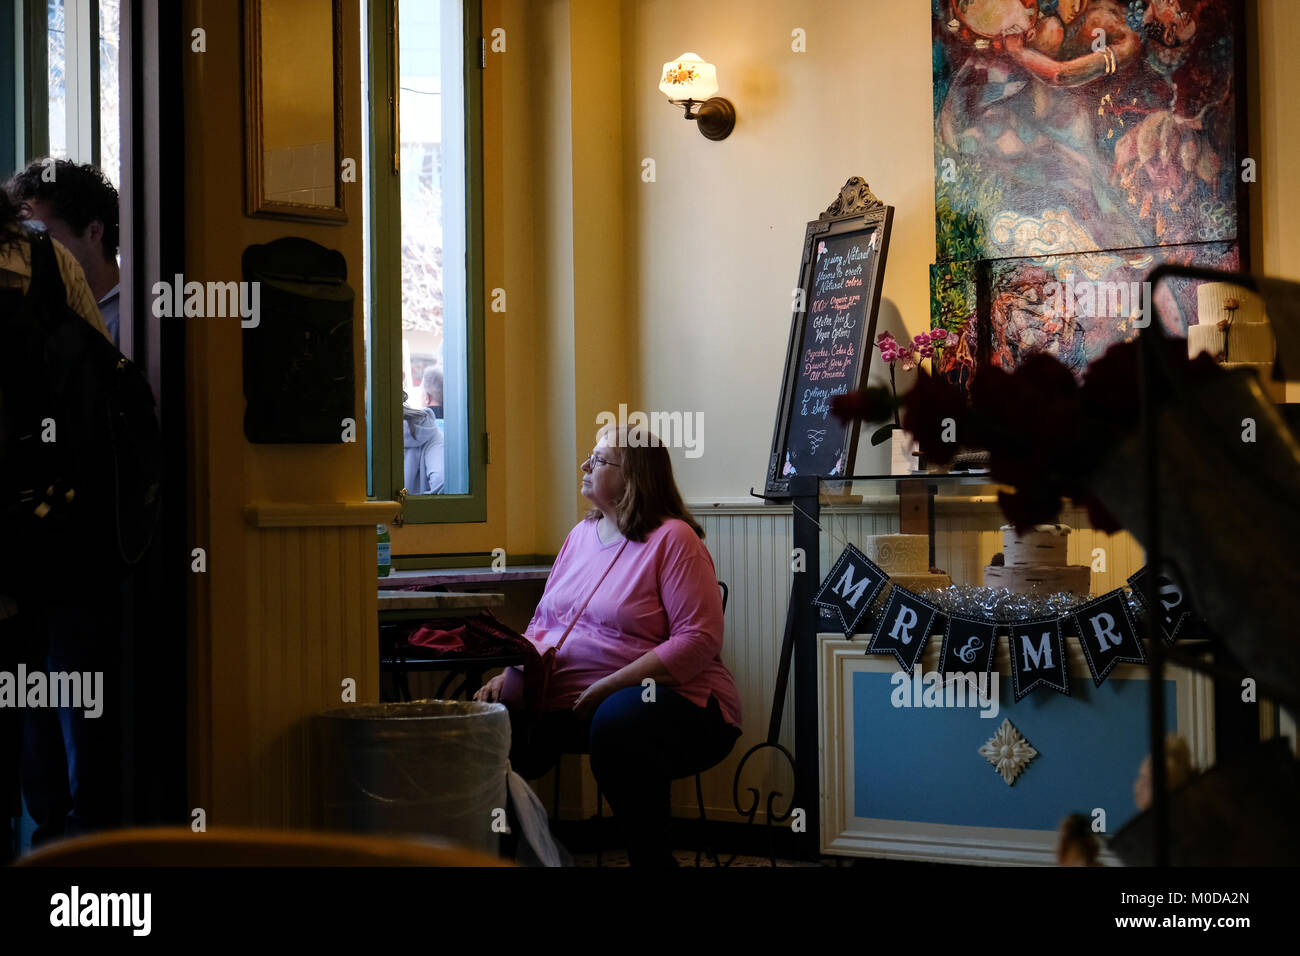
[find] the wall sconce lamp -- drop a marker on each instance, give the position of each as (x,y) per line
(690,82)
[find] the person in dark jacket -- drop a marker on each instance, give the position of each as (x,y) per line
(68,758)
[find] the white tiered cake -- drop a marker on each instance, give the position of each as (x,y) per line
(1234,329)
(906,559)
(1035,562)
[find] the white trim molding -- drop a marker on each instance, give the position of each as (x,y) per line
(844,834)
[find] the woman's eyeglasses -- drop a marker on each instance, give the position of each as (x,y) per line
(596,459)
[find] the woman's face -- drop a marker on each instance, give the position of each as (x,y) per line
(602,475)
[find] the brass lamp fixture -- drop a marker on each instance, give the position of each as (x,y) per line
(690,82)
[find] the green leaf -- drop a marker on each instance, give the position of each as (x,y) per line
(882,435)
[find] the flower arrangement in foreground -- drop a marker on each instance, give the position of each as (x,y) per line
(880,404)
(1044,431)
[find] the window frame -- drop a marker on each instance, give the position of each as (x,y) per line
(384,434)
(81,79)
(32,37)
(12,118)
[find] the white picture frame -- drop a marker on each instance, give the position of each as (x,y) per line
(844,834)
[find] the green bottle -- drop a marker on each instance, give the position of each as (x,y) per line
(385,551)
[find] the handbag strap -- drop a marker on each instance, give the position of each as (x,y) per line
(565,636)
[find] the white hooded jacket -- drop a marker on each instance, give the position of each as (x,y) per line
(422,452)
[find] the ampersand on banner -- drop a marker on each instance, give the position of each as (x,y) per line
(968,645)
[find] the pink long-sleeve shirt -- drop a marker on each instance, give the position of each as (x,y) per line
(661,595)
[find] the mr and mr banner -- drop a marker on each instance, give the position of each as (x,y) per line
(1107,630)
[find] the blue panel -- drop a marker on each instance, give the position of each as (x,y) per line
(9,159)
(923,764)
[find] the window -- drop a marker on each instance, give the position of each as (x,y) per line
(109,148)
(73,114)
(56,39)
(425,404)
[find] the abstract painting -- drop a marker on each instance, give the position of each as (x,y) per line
(1079,144)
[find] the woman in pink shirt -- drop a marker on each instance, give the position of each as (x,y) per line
(639,682)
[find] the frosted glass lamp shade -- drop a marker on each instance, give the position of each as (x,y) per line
(689,78)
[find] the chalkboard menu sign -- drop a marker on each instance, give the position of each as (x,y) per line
(831,336)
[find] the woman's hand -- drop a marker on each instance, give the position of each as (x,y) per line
(490,692)
(591,698)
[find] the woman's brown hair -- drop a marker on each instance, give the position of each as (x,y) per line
(1075,837)
(650,495)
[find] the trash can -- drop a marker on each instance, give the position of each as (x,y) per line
(425,767)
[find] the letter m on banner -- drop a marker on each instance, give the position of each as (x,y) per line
(1038,656)
(850,592)
(851,588)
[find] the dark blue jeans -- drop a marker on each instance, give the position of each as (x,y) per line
(637,749)
(13,650)
(72,763)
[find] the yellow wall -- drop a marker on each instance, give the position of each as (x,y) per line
(553,203)
(602,330)
(280,617)
(857,102)
(666,295)
(1274,78)
(706,256)
(509,156)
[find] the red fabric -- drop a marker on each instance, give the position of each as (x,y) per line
(449,642)
(479,636)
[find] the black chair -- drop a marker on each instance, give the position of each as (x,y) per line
(600,801)
(398,658)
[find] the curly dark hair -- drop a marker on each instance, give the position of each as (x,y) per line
(79,193)
(10,223)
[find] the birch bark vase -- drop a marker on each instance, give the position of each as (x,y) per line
(903,449)
(900,452)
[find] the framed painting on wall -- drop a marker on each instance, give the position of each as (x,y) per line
(1078,145)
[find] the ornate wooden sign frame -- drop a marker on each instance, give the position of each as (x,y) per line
(855,210)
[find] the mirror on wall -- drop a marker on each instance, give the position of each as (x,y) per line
(293,104)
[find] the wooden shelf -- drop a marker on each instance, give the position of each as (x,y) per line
(536,573)
(438,600)
(330,514)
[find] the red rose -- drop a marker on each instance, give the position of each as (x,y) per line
(935,412)
(868,405)
(1112,384)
